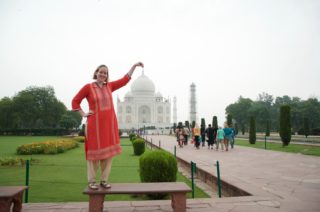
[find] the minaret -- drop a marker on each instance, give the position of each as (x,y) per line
(193,103)
(175,110)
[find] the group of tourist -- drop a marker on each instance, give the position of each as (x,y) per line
(216,137)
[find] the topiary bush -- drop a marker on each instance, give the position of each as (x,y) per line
(47,147)
(138,146)
(132,136)
(79,139)
(285,124)
(158,166)
(252,131)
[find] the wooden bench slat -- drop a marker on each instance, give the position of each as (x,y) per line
(177,190)
(10,191)
(141,188)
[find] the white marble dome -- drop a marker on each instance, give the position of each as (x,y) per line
(143,85)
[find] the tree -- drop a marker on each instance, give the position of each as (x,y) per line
(229,120)
(236,129)
(203,123)
(6,113)
(215,122)
(252,130)
(193,124)
(240,111)
(37,107)
(306,127)
(243,129)
(285,125)
(261,113)
(70,120)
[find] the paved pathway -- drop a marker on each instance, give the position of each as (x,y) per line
(277,181)
(292,181)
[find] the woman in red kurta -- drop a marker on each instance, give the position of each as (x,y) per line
(101,137)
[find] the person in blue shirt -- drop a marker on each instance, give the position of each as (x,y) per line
(233,134)
(227,135)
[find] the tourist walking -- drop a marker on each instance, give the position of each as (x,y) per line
(186,135)
(180,136)
(102,141)
(227,135)
(220,138)
(203,135)
(196,135)
(233,134)
(211,136)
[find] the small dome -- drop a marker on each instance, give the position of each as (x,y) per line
(143,85)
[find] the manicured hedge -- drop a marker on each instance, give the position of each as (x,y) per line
(158,166)
(47,147)
(138,146)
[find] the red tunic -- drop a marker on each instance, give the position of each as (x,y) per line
(101,137)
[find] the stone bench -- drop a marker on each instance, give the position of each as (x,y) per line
(177,190)
(11,195)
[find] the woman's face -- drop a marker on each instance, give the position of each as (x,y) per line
(102,74)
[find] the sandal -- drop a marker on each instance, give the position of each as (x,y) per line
(93,186)
(104,184)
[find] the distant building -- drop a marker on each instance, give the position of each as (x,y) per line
(142,107)
(175,119)
(193,103)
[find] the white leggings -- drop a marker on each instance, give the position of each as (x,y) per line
(92,168)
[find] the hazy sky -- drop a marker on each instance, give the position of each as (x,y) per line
(227,48)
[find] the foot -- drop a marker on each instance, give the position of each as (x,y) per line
(93,186)
(104,184)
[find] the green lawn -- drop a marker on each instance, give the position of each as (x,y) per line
(62,177)
(293,148)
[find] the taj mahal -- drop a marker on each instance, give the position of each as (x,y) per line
(143,107)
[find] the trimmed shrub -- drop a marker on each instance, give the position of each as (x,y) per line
(229,120)
(47,147)
(285,125)
(132,136)
(215,122)
(158,166)
(138,146)
(10,161)
(252,131)
(78,139)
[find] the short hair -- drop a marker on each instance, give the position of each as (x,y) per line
(97,69)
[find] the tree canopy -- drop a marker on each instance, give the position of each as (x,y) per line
(36,108)
(267,108)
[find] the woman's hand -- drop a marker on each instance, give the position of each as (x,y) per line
(134,67)
(138,64)
(83,114)
(88,114)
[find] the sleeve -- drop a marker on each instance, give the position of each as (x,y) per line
(119,83)
(76,101)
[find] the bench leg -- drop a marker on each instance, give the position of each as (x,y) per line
(179,202)
(96,202)
(17,202)
(5,204)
